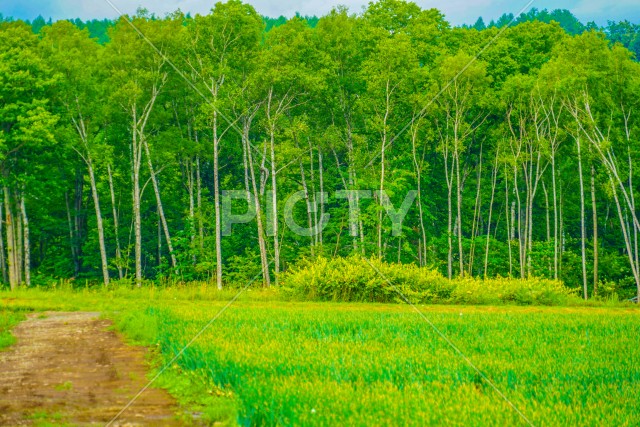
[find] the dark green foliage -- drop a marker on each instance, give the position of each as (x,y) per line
(625,33)
(98,29)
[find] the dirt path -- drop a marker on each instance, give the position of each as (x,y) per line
(68,369)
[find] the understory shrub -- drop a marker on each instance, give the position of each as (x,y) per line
(357,279)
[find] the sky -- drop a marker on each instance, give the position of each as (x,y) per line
(456,11)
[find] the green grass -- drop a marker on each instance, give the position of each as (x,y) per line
(45,419)
(66,386)
(8,319)
(271,362)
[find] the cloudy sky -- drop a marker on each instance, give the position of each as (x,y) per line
(456,11)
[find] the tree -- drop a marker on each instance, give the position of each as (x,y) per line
(480,25)
(69,50)
(221,43)
(140,74)
(26,125)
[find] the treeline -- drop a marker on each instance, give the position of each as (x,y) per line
(624,32)
(115,156)
(99,28)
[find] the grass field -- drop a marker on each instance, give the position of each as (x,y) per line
(266,361)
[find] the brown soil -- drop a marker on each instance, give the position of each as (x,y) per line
(69,369)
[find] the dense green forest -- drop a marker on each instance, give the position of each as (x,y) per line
(119,140)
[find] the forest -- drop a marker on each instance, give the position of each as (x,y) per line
(520,138)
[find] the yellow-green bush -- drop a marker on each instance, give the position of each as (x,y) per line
(358,279)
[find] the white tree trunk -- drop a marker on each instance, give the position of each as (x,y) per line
(216,201)
(26,242)
(99,225)
(116,228)
(3,261)
(266,279)
(594,208)
(156,190)
(494,180)
(582,224)
(11,244)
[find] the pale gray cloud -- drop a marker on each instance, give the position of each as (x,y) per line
(456,11)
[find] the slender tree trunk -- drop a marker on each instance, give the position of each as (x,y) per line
(11,244)
(477,210)
(594,207)
(27,243)
(555,217)
(99,225)
(632,198)
(3,261)
(189,166)
(79,218)
(508,221)
(136,150)
(561,230)
(307,198)
(315,239)
(450,233)
(383,152)
(116,228)
(321,177)
(216,200)
(274,208)
(74,226)
(81,128)
(448,174)
(547,211)
(159,237)
(494,180)
(521,243)
(582,224)
(163,218)
(418,169)
(250,173)
(548,217)
(357,225)
(199,202)
(459,205)
(74,255)
(19,242)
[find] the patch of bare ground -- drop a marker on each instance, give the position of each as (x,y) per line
(69,368)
